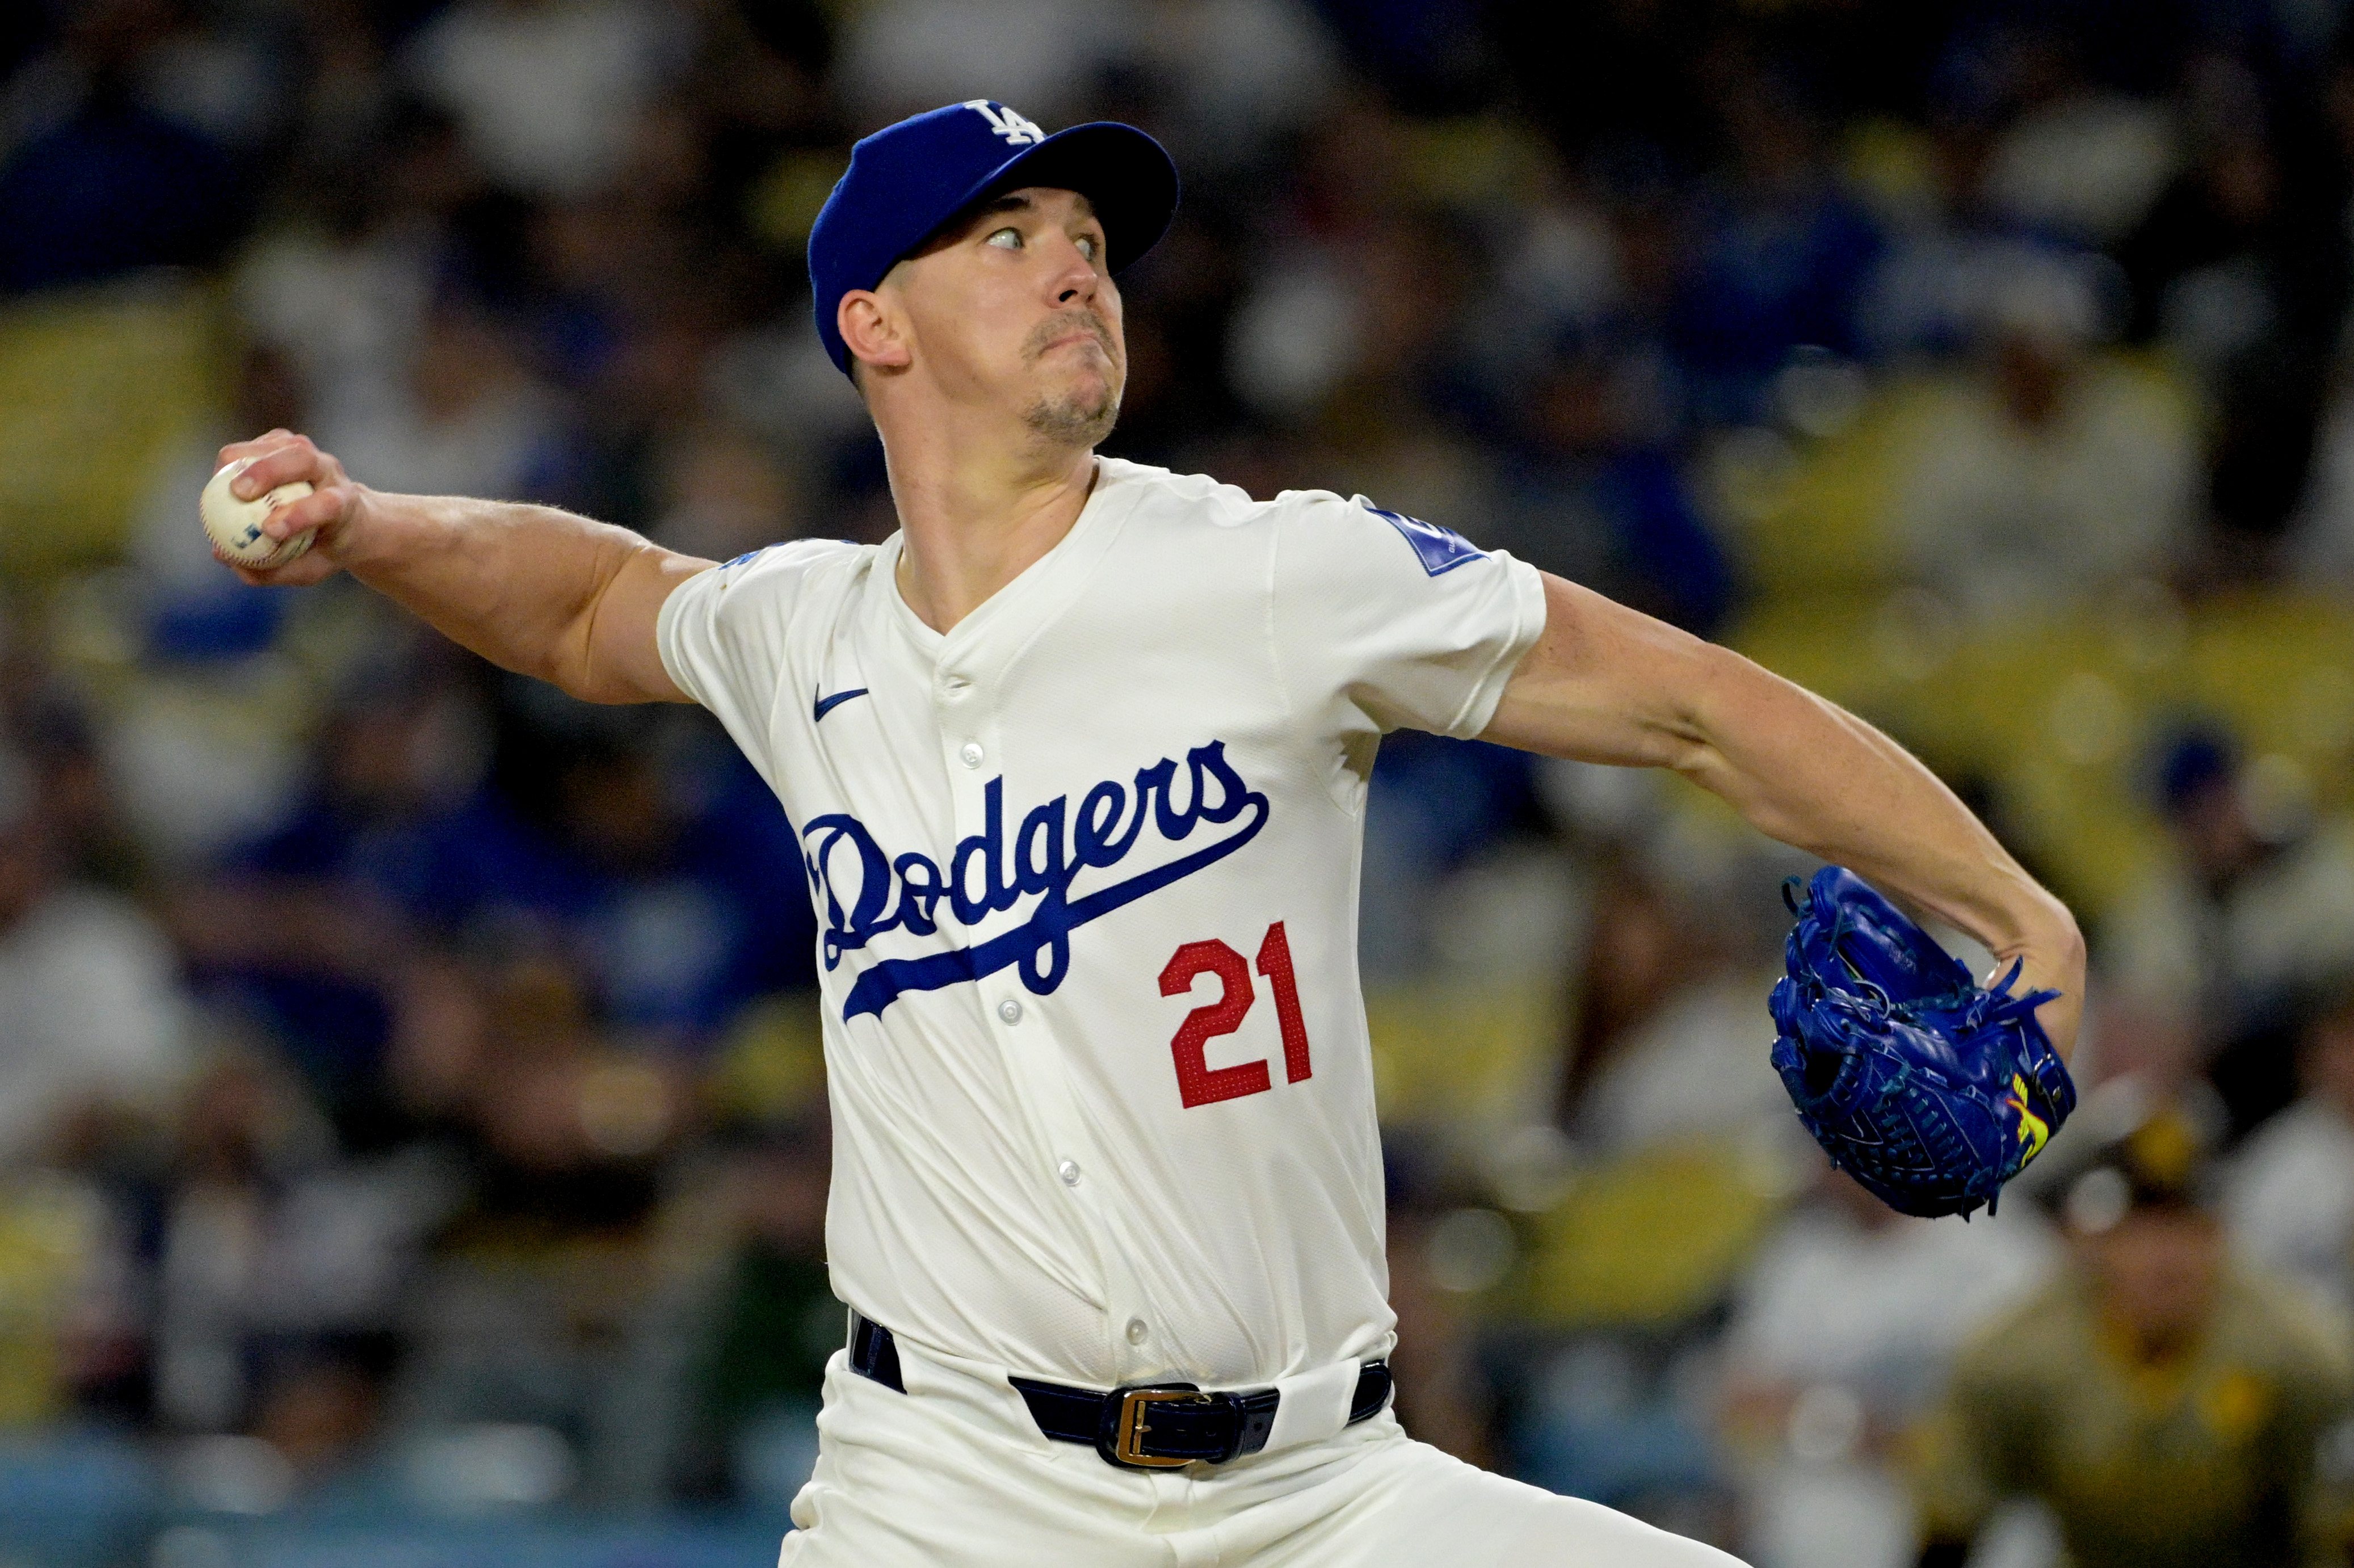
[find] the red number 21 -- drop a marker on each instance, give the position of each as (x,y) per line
(1199,1084)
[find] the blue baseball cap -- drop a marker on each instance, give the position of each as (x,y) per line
(908,182)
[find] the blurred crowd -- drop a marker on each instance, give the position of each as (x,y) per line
(411,1110)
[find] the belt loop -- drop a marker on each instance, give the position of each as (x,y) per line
(1315,1405)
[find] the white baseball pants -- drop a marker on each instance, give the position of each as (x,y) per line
(954,1474)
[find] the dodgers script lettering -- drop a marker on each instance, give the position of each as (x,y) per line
(863,892)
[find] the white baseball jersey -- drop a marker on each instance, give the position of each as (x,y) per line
(1086,873)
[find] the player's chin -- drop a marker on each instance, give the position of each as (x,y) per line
(1079,414)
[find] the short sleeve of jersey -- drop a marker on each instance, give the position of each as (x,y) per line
(1403,620)
(722,635)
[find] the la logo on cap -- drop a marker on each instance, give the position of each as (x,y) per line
(1017,132)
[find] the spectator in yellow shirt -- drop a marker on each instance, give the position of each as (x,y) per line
(2168,1407)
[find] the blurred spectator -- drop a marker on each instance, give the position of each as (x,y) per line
(2167,1407)
(671,850)
(2078,160)
(100,172)
(1434,805)
(342,294)
(723,494)
(308,927)
(2241,268)
(243,1129)
(1781,253)
(1847,1322)
(321,1413)
(2289,1202)
(2048,468)
(65,748)
(2321,544)
(2251,911)
(466,418)
(272,1259)
(1667,1045)
(1599,498)
(776,1323)
(548,91)
(536,1308)
(1239,73)
(1622,1417)
(902,57)
(206,746)
(558,1130)
(1442,1252)
(2319,550)
(92,1020)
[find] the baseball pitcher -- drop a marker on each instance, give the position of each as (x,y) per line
(1077,760)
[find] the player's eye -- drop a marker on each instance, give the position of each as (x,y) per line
(1090,246)
(1005,239)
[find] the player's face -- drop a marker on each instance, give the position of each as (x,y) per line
(1017,310)
(2158,1269)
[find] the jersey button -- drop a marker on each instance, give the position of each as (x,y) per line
(1069,1172)
(1010,1010)
(971,754)
(1136,1331)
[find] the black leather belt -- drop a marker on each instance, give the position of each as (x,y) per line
(1146,1426)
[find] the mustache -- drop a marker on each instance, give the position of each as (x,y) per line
(1062,324)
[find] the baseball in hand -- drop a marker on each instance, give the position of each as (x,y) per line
(235,527)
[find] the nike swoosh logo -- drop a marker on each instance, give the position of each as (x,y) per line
(827,705)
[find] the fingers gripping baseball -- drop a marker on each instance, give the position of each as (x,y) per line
(271,462)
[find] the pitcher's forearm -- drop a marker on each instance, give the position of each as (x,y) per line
(1813,775)
(522,586)
(531,588)
(507,581)
(1809,773)
(1605,684)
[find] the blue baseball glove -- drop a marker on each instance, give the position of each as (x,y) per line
(1927,1087)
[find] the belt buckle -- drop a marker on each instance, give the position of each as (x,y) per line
(1126,1446)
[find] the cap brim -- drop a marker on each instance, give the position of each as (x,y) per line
(1126,175)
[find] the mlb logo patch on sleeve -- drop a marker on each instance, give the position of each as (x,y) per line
(1439,549)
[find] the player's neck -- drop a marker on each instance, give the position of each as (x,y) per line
(969,528)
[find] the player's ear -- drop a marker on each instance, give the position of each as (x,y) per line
(874,333)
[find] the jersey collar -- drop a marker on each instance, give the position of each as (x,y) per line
(1038,593)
